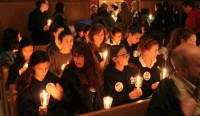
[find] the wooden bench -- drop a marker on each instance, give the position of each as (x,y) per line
(40,47)
(138,108)
(13,100)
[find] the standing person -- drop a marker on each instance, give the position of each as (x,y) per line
(58,17)
(119,78)
(25,51)
(37,23)
(178,95)
(193,18)
(137,16)
(62,57)
(31,83)
(10,41)
(82,81)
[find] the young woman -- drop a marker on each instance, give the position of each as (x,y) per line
(116,36)
(10,41)
(82,82)
(32,82)
(97,36)
(55,44)
(150,68)
(62,57)
(25,51)
(119,78)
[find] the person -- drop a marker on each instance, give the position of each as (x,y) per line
(178,95)
(58,16)
(25,51)
(115,36)
(150,68)
(136,14)
(55,44)
(119,78)
(97,36)
(114,11)
(62,57)
(11,38)
(93,11)
(31,83)
(85,34)
(193,17)
(178,37)
(131,42)
(82,81)
(38,23)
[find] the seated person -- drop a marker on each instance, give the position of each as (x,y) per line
(119,78)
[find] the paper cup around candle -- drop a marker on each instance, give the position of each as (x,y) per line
(44,98)
(107,101)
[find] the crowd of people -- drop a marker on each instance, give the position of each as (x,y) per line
(105,58)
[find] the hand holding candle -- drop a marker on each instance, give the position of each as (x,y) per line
(107,101)
(44,98)
(138,82)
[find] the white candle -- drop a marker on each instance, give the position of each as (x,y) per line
(49,21)
(64,65)
(44,97)
(138,82)
(150,17)
(107,101)
(164,73)
(105,55)
(26,65)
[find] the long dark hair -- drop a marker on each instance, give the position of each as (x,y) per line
(23,81)
(91,65)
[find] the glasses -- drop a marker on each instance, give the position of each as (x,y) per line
(126,55)
(78,57)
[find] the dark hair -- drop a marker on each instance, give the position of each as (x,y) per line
(24,80)
(96,28)
(114,6)
(39,2)
(65,32)
(113,51)
(115,30)
(23,43)
(188,3)
(91,65)
(176,36)
(146,44)
(86,29)
(159,36)
(10,39)
(54,29)
(60,7)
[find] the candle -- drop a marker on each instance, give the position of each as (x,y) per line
(49,21)
(164,73)
(150,17)
(44,98)
(64,65)
(107,101)
(138,82)
(26,65)
(105,55)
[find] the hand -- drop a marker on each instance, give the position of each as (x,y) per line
(154,86)
(46,28)
(42,111)
(188,106)
(102,64)
(136,93)
(57,92)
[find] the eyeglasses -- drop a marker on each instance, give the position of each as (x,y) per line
(78,57)
(126,55)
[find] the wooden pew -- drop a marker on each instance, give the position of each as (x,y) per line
(40,47)
(13,100)
(138,108)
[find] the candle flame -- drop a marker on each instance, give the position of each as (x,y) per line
(49,21)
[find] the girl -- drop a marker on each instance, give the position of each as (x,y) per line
(116,36)
(31,83)
(119,79)
(21,63)
(81,80)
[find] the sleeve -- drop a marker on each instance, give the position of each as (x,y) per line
(7,60)
(109,90)
(26,105)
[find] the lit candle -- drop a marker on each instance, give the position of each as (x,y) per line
(64,65)
(138,82)
(164,73)
(44,98)
(26,65)
(105,55)
(107,101)
(49,21)
(150,17)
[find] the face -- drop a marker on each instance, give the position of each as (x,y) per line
(153,52)
(79,60)
(121,58)
(98,38)
(27,52)
(136,37)
(192,40)
(45,6)
(41,70)
(186,9)
(67,42)
(59,30)
(117,37)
